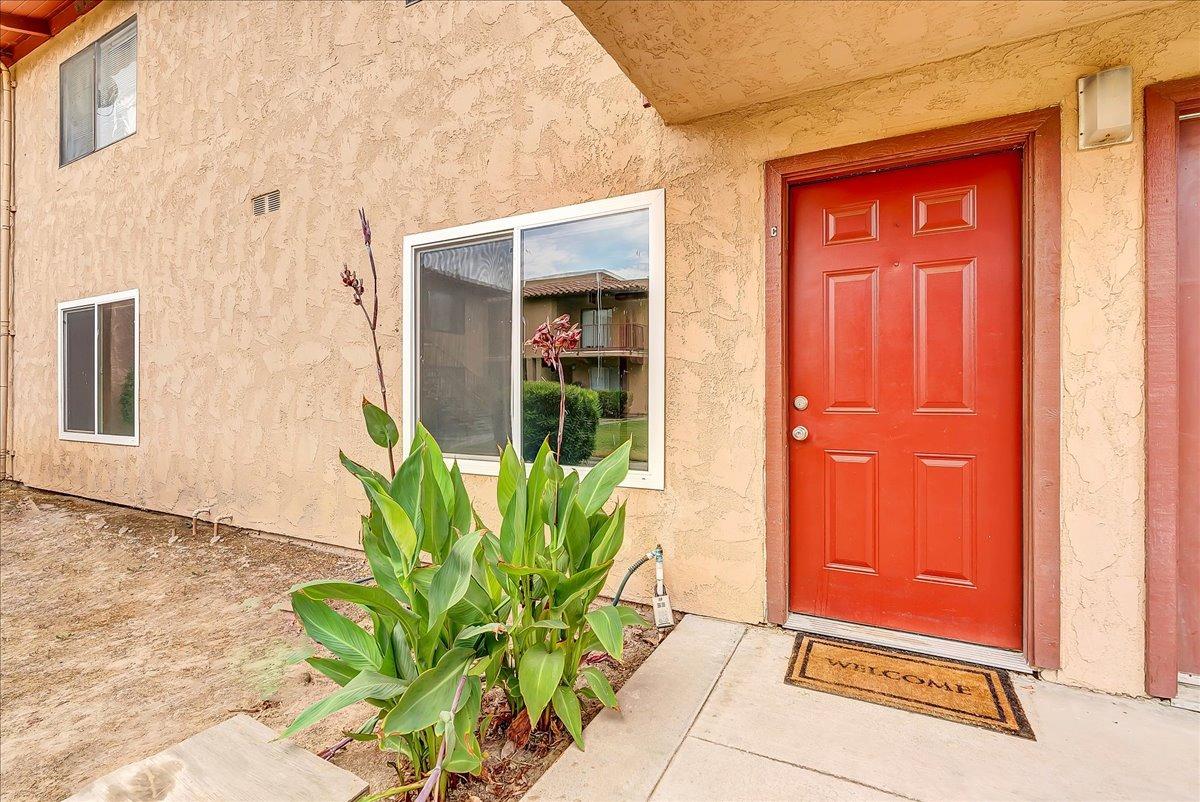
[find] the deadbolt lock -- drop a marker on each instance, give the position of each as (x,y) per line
(800,402)
(800,433)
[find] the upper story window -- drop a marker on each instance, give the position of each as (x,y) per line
(98,369)
(473,297)
(97,92)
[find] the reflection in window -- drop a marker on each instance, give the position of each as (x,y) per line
(463,378)
(597,271)
(115,402)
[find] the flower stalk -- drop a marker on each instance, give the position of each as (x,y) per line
(552,339)
(350,279)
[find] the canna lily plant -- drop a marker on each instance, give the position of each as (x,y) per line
(437,619)
(556,547)
(456,608)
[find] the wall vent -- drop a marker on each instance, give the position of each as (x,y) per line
(266,202)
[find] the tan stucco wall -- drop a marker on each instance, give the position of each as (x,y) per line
(253,360)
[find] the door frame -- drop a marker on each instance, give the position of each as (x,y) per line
(1164,103)
(1037,135)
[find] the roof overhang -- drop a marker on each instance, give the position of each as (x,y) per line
(26,25)
(695,58)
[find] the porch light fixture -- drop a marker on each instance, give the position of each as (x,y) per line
(1106,108)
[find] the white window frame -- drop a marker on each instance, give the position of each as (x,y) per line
(95,302)
(654,202)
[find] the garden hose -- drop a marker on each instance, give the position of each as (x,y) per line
(656,554)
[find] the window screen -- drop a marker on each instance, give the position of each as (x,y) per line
(465,307)
(79,369)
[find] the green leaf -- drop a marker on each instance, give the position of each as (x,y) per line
(428,695)
(450,582)
(406,484)
(575,533)
(606,623)
(512,475)
(435,467)
(367,684)
(380,560)
(399,524)
(467,756)
(370,596)
(360,471)
(337,633)
(566,707)
(382,627)
(539,674)
(548,575)
(631,617)
(597,486)
(475,606)
(336,670)
(402,654)
(463,515)
(607,541)
(588,578)
(472,632)
(512,530)
(601,687)
(549,623)
(380,425)
(435,538)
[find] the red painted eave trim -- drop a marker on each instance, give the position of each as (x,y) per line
(43,28)
(34,26)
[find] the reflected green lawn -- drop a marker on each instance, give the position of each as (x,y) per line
(612,432)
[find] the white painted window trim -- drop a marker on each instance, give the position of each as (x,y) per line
(654,202)
(96,437)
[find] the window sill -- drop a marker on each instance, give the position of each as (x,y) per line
(638,480)
(106,439)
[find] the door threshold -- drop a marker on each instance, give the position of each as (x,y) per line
(1188,695)
(911,641)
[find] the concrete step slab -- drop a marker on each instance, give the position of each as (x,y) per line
(235,761)
(703,770)
(628,750)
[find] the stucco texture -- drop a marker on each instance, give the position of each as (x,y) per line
(254,361)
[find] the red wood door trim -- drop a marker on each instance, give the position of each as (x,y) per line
(1036,134)
(1164,103)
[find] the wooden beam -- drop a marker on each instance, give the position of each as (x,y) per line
(22,24)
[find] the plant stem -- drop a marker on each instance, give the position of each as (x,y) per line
(562,409)
(373,323)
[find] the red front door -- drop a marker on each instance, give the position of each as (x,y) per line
(905,340)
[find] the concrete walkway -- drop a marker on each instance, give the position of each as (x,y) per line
(709,717)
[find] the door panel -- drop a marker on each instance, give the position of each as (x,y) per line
(905,337)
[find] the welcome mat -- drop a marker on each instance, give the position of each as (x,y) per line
(935,686)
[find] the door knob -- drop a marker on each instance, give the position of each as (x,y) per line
(800,433)
(800,402)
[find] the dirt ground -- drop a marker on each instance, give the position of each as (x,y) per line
(121,634)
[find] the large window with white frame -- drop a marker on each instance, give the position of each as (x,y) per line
(98,369)
(473,296)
